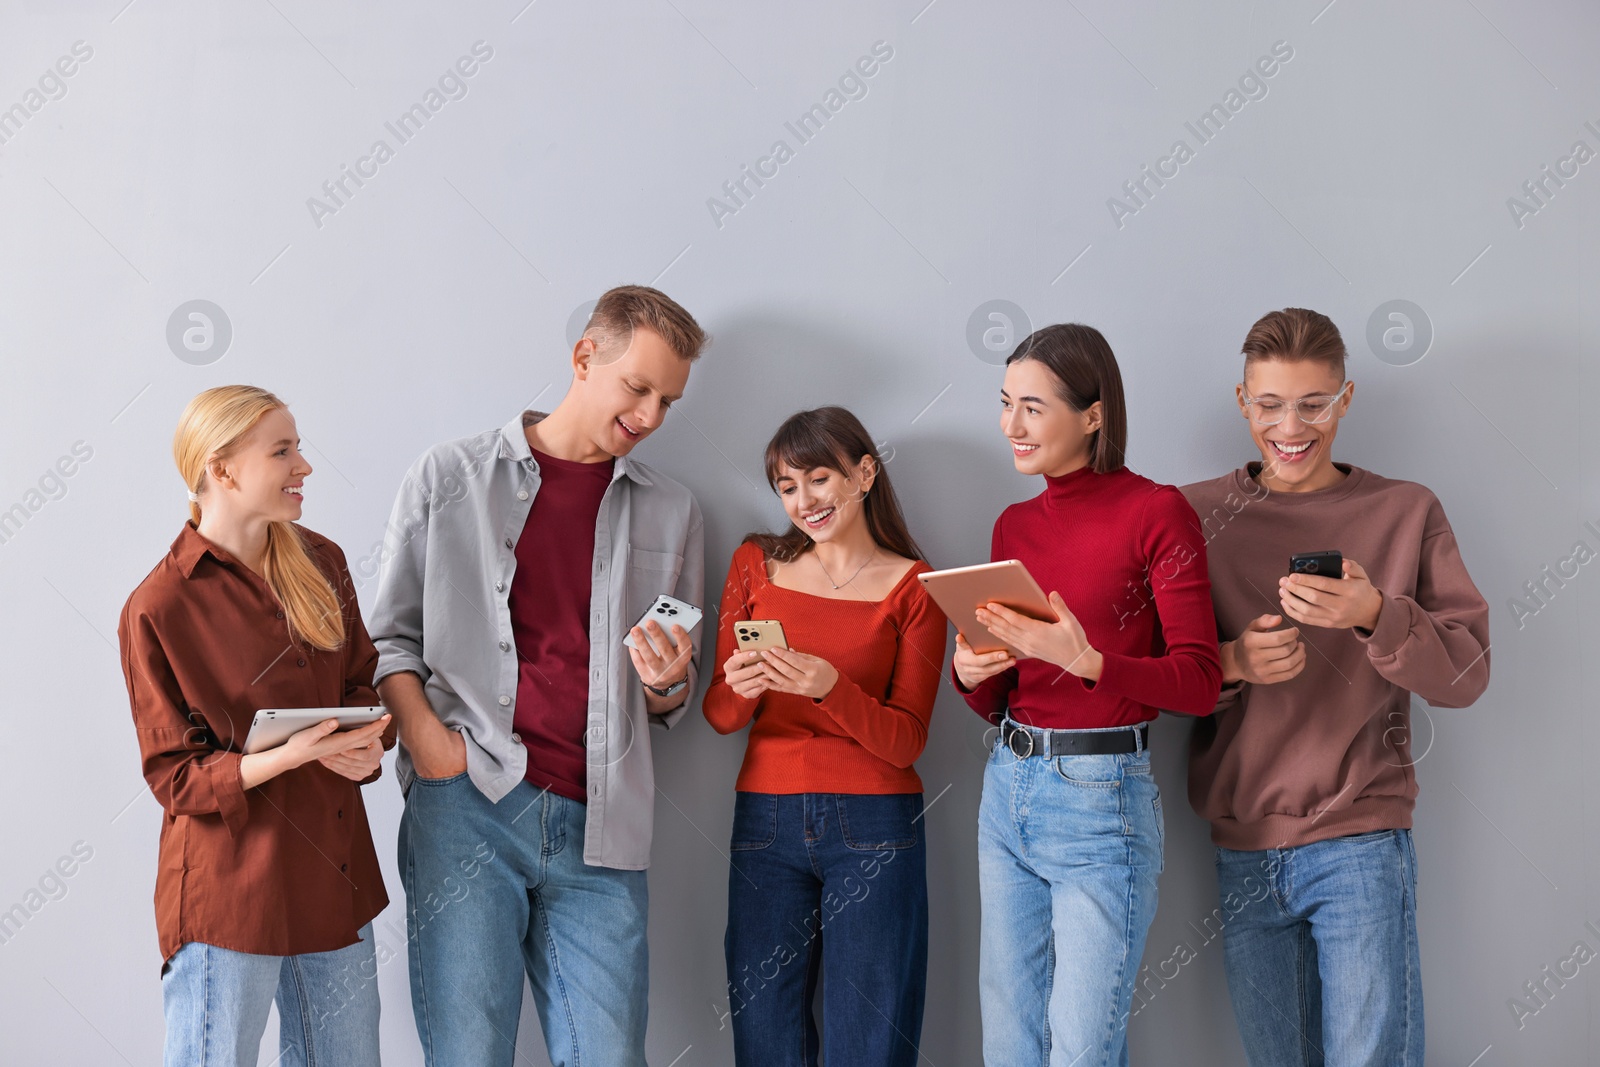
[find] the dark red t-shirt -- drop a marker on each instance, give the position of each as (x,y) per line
(549,606)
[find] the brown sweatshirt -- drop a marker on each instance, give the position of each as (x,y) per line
(1328,753)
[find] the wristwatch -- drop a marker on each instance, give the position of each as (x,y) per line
(669,690)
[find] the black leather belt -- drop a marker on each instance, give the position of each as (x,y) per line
(1025,741)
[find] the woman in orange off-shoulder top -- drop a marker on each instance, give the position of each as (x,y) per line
(827,827)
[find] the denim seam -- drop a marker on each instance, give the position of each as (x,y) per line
(560,983)
(1049,990)
(414,934)
(805,1028)
(305,1012)
(1302,976)
(1127,931)
(205,985)
(1408,905)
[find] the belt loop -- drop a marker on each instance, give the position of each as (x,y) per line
(1138,740)
(1048,736)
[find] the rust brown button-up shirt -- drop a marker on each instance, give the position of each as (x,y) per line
(287,867)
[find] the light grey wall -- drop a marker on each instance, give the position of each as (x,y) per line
(176,164)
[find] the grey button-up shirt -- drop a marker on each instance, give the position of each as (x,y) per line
(442,611)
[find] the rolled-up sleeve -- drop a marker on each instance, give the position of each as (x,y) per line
(397,610)
(360,655)
(691,587)
(187,773)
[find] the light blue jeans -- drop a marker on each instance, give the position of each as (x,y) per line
(1320,943)
(216,1003)
(1069,850)
(496,890)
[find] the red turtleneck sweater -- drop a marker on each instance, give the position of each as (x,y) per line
(1121,551)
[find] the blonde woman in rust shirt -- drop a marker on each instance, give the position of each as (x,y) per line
(266,882)
(828,874)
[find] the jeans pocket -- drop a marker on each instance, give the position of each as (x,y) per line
(755,821)
(419,780)
(871,823)
(1098,771)
(1370,835)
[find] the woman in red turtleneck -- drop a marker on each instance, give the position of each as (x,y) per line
(1070,827)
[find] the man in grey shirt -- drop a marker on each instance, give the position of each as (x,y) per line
(514,565)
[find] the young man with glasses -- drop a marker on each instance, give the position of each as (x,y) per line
(517,561)
(1306,771)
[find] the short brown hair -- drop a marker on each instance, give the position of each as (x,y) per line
(619,310)
(1295,334)
(1085,371)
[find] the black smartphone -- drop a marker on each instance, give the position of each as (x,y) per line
(1329,564)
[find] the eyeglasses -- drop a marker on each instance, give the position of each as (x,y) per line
(1310,410)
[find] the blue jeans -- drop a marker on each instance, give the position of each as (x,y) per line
(216,1002)
(496,890)
(1069,849)
(1320,943)
(836,885)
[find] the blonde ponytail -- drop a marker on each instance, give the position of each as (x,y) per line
(211,428)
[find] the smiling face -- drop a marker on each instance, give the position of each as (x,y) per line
(264,476)
(1047,436)
(625,394)
(825,503)
(1296,456)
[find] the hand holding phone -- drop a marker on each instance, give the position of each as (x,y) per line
(667,611)
(1327,590)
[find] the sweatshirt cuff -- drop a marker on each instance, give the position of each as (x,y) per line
(1389,632)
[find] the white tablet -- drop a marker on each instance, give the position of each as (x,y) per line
(273,726)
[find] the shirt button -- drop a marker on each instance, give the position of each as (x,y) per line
(504,700)
(344,866)
(510,545)
(339,814)
(505,646)
(499,587)
(301,662)
(522,494)
(280,614)
(516,739)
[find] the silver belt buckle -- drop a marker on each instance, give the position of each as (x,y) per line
(1011,742)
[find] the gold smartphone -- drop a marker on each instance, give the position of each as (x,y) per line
(754,635)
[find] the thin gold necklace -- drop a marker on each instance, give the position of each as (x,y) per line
(870,557)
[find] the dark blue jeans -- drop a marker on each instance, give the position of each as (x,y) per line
(831,885)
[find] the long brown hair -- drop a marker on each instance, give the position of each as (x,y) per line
(1085,371)
(212,427)
(834,438)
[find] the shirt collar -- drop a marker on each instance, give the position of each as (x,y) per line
(514,445)
(191,545)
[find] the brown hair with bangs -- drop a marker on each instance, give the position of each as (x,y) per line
(834,438)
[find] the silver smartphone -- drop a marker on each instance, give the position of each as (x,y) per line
(667,610)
